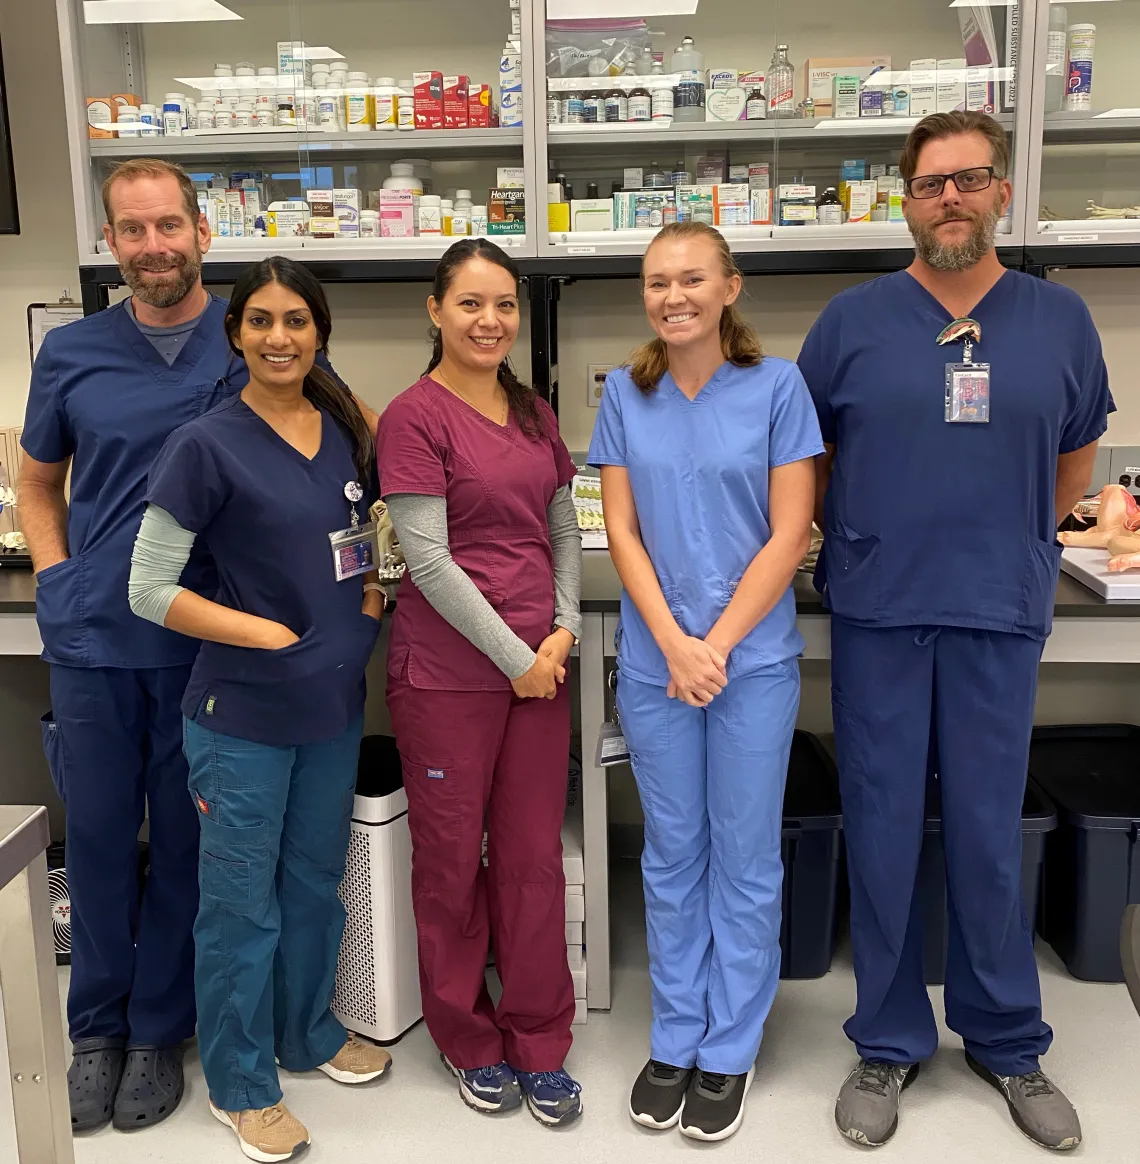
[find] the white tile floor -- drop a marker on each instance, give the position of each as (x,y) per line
(949,1116)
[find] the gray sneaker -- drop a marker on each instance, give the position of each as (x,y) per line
(867,1110)
(1038,1108)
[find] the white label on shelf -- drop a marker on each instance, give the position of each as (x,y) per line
(581,250)
(1077,238)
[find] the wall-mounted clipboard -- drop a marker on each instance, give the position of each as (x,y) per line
(42,317)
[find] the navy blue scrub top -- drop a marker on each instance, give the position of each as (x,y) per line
(264,511)
(930,523)
(101,394)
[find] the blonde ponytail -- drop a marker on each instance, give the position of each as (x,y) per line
(738,339)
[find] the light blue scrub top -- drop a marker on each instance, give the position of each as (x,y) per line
(699,473)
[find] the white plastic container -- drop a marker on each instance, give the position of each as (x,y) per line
(430,224)
(151,120)
(386,103)
(1056,54)
(404,178)
(223,117)
(128,122)
(689,96)
(369,224)
(1082,44)
(358,106)
(462,214)
(327,112)
(264,116)
(223,70)
(245,69)
(171,117)
(207,115)
(243,115)
(478,220)
(230,97)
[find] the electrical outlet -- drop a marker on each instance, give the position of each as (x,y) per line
(1125,467)
(595,381)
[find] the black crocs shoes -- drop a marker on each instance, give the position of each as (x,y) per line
(134,1087)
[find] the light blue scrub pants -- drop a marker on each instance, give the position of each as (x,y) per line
(712,790)
(275,832)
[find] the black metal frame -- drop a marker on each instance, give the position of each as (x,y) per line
(545,277)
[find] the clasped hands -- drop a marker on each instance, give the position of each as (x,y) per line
(697,670)
(548,669)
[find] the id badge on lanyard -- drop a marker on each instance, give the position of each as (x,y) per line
(354,549)
(967,383)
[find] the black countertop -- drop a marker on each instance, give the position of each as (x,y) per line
(601,593)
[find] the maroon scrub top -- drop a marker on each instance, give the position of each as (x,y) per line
(498,483)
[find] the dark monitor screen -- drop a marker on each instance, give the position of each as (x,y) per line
(9,216)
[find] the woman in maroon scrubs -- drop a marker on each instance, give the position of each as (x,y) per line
(476,479)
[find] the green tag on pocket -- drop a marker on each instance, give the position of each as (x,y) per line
(210,705)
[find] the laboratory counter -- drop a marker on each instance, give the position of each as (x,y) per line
(601,594)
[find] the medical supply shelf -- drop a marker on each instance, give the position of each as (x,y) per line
(1061,160)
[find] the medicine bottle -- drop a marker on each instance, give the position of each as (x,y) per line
(406,108)
(446,214)
(593,108)
(478,220)
(640,104)
(462,213)
(430,223)
(386,98)
(617,105)
(243,115)
(829,210)
(756,108)
(573,109)
(369,224)
(661,95)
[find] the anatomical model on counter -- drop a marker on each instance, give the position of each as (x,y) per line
(1117,520)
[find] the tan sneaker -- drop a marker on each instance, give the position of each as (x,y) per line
(357,1061)
(268,1134)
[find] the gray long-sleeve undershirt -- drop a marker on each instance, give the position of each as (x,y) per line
(162,549)
(420,522)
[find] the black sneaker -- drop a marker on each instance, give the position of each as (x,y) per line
(714,1105)
(659,1094)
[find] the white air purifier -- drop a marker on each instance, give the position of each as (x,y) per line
(378,977)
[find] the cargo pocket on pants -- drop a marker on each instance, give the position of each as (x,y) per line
(53,750)
(233,868)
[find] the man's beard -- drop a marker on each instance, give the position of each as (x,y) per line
(956,256)
(173,287)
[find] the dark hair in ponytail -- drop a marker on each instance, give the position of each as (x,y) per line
(520,398)
(320,387)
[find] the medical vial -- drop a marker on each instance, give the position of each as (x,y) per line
(661,95)
(617,106)
(669,210)
(593,108)
(655,177)
(656,211)
(640,104)
(641,212)
(553,109)
(573,109)
(756,108)
(829,210)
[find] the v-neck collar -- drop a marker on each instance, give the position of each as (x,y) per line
(707,390)
(276,436)
(186,360)
(937,305)
(469,409)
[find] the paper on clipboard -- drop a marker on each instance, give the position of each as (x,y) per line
(42,317)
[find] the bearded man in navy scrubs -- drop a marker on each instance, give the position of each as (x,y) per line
(960,406)
(106,392)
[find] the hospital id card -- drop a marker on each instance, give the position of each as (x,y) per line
(968,393)
(612,748)
(354,550)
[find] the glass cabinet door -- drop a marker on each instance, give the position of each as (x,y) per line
(1088,106)
(337,129)
(780,123)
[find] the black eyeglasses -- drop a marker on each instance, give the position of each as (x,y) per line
(969,181)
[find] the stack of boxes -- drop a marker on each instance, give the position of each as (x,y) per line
(574,868)
(511,73)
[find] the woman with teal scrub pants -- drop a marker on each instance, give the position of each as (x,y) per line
(705,447)
(274,707)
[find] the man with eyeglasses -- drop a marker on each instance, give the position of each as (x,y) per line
(960,405)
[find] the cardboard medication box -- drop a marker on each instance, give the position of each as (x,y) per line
(397,210)
(506,211)
(858,199)
(322,214)
(479,107)
(923,87)
(558,217)
(456,98)
(951,93)
(761,206)
(287,219)
(510,178)
(346,207)
(591,214)
(732,205)
(845,96)
(820,73)
(428,100)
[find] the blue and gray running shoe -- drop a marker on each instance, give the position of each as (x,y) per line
(486,1089)
(553,1097)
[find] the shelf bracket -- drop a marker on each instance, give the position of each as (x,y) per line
(544,294)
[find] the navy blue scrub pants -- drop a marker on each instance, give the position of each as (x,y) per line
(115,753)
(894,690)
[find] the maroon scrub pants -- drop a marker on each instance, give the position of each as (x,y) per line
(475,760)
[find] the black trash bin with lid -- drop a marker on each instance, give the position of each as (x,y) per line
(1038,820)
(811,846)
(1092,861)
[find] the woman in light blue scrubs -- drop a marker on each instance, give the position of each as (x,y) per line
(705,447)
(271,482)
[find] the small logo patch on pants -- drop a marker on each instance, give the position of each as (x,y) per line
(203,807)
(436,773)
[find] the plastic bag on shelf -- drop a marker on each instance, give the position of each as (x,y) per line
(593,48)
